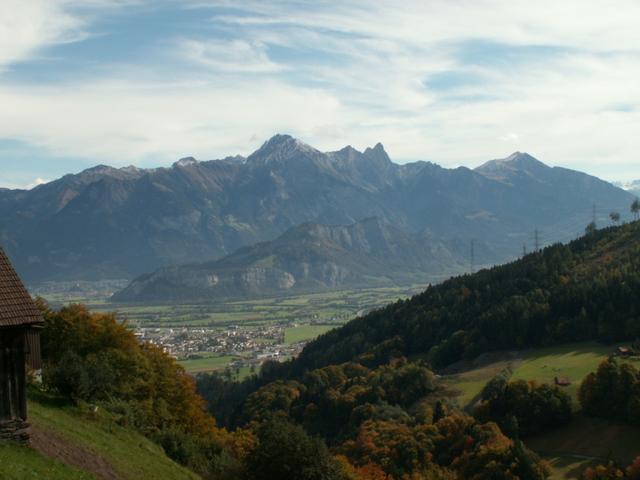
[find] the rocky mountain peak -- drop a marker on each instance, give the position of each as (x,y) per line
(517,162)
(185,162)
(280,147)
(378,155)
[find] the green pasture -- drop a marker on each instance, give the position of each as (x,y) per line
(95,437)
(328,307)
(208,363)
(305,332)
(542,365)
(586,442)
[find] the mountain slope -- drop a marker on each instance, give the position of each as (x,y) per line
(69,443)
(586,290)
(307,257)
(118,223)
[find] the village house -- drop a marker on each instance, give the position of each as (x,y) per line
(624,351)
(20,324)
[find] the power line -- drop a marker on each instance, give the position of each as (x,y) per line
(473,254)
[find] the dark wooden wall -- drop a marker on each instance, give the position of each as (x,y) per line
(13,399)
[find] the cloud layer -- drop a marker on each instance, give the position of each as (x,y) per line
(457,82)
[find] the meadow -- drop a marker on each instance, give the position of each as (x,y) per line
(542,365)
(571,449)
(75,443)
(332,307)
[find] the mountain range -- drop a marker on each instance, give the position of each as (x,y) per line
(107,223)
(308,257)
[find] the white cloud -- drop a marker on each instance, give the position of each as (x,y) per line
(121,123)
(228,56)
(35,183)
(29,25)
(358,73)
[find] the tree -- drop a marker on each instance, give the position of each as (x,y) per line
(286,452)
(635,208)
(611,391)
(591,228)
(615,217)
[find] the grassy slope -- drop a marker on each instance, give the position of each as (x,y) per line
(208,363)
(573,448)
(302,333)
(542,365)
(18,462)
(125,453)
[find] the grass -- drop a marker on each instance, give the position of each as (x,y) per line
(18,462)
(567,467)
(129,454)
(208,363)
(585,441)
(304,332)
(331,306)
(595,438)
(574,361)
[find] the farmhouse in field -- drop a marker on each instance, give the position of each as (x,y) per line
(562,381)
(20,324)
(624,351)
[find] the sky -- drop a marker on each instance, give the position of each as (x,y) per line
(457,82)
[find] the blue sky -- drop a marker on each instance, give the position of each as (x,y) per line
(457,82)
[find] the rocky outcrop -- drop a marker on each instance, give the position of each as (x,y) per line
(305,258)
(15,430)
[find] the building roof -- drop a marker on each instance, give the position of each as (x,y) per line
(16,305)
(562,381)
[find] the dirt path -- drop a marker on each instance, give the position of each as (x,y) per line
(56,446)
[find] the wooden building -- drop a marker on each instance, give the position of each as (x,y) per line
(20,325)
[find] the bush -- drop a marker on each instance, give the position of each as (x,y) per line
(286,452)
(524,408)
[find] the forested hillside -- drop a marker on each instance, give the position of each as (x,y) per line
(343,422)
(369,391)
(587,289)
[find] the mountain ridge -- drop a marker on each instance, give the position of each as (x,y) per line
(119,223)
(307,257)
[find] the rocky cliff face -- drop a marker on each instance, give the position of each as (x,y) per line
(119,223)
(309,257)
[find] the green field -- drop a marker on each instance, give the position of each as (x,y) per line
(596,438)
(93,442)
(574,361)
(334,307)
(304,333)
(18,462)
(567,467)
(208,363)
(584,442)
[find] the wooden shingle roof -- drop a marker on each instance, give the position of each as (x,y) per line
(16,305)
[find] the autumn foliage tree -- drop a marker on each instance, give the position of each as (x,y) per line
(524,408)
(613,391)
(93,357)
